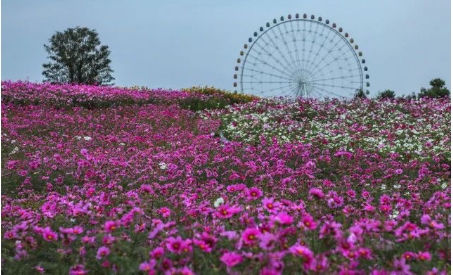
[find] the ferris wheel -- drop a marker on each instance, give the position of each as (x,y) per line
(301,56)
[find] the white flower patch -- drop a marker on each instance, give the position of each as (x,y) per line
(15,150)
(162,165)
(218,202)
(87,138)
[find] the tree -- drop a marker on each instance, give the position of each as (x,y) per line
(438,89)
(359,93)
(386,94)
(77,56)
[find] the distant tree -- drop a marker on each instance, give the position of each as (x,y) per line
(77,56)
(438,89)
(359,93)
(387,94)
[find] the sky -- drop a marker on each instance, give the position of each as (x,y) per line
(177,44)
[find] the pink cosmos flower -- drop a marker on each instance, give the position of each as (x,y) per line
(426,219)
(424,256)
(225,211)
(283,218)
(267,240)
(231,259)
(157,253)
(166,264)
(308,222)
(254,193)
(315,192)
(40,269)
(401,266)
(148,267)
(304,252)
(175,244)
(109,226)
(269,204)
(78,270)
(102,252)
(49,235)
(10,235)
(250,235)
(165,212)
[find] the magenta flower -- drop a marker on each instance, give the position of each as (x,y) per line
(303,252)
(426,219)
(165,212)
(109,226)
(283,218)
(269,204)
(49,235)
(254,193)
(308,222)
(250,235)
(267,240)
(230,259)
(401,266)
(225,211)
(175,245)
(157,253)
(148,267)
(102,252)
(78,270)
(315,192)
(40,269)
(10,235)
(424,256)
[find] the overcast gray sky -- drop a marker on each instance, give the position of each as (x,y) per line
(180,43)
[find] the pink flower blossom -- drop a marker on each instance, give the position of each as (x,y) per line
(230,259)
(250,235)
(254,193)
(102,252)
(49,235)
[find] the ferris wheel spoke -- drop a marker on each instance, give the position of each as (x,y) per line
(289,69)
(336,86)
(321,46)
(313,56)
(284,88)
(332,78)
(330,63)
(268,74)
(266,64)
(293,61)
(329,52)
(282,71)
(269,82)
(295,41)
(312,43)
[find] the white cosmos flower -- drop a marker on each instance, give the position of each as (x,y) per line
(163,165)
(87,138)
(218,202)
(394,214)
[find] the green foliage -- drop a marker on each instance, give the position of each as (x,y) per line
(360,94)
(231,98)
(77,56)
(437,90)
(387,94)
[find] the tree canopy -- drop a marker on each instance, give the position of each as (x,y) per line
(438,89)
(78,57)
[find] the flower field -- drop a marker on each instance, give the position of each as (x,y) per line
(103,180)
